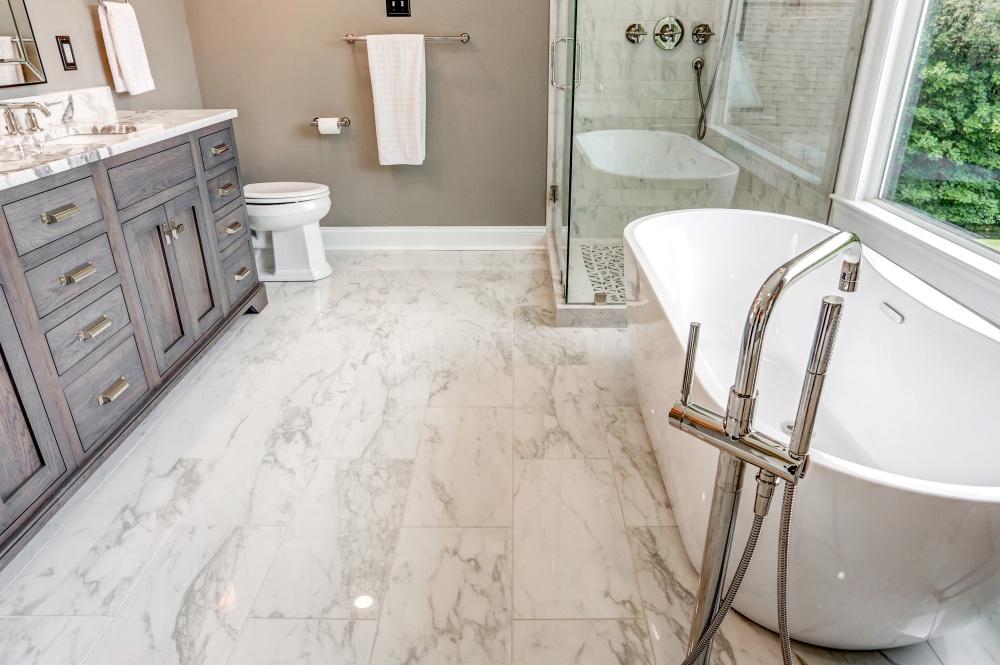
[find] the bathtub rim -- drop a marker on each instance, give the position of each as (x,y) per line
(733,170)
(976,493)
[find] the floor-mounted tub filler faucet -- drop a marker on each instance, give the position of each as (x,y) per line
(738,443)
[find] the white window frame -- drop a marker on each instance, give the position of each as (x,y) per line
(966,274)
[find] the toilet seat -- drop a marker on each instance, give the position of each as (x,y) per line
(279,193)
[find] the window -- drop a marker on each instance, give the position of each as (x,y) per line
(944,169)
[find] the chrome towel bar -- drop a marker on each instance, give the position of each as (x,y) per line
(464,38)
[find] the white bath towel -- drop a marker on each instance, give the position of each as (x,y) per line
(126,52)
(10,74)
(399,88)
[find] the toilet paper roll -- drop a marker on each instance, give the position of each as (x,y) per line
(329,125)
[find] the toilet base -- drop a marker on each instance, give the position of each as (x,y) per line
(298,256)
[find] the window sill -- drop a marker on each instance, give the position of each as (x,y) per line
(963,275)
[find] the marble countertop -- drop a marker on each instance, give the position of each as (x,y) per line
(65,146)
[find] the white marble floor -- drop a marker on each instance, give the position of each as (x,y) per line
(402,464)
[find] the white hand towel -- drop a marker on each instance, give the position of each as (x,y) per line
(399,88)
(10,74)
(126,52)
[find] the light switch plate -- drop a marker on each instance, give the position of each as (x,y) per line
(397,7)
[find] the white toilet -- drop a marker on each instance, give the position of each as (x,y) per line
(290,213)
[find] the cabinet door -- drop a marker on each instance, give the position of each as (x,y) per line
(30,461)
(164,307)
(197,274)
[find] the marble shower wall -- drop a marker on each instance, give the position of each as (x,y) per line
(625,86)
(634,86)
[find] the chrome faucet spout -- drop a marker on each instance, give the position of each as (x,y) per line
(743,395)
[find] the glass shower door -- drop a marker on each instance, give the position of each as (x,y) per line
(564,65)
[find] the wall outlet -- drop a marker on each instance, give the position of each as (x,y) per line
(397,7)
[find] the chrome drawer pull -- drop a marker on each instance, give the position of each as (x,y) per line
(234,228)
(78,274)
(243,273)
(221,149)
(60,214)
(94,329)
(226,190)
(114,392)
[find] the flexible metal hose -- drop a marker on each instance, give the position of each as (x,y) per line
(705,100)
(786,523)
(734,588)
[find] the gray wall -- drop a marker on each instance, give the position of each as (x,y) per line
(164,31)
(283,63)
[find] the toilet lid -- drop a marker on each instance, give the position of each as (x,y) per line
(285,192)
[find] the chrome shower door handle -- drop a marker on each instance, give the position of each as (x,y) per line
(552,62)
(578,65)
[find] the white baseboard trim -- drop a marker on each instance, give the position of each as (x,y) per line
(434,237)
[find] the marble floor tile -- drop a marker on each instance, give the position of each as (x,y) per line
(531,260)
(533,287)
(556,413)
(537,342)
(668,584)
(266,339)
(449,599)
(94,561)
(979,644)
(582,642)
(353,302)
(340,543)
(483,302)
(206,419)
(383,415)
(427,290)
(918,654)
(640,485)
(463,474)
(263,474)
(321,379)
(571,560)
(493,285)
(486,259)
(394,260)
(611,358)
(190,607)
(473,368)
(405,336)
(49,640)
(30,550)
(304,642)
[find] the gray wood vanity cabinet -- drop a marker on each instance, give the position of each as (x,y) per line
(114,278)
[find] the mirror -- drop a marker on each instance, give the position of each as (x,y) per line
(20,63)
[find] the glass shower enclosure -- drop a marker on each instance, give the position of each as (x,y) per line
(625,114)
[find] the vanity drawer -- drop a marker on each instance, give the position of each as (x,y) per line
(224,189)
(138,180)
(217,148)
(42,218)
(87,330)
(239,272)
(231,228)
(59,280)
(100,398)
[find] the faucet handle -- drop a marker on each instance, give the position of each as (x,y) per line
(692,350)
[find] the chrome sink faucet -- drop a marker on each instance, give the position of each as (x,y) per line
(13,127)
(733,433)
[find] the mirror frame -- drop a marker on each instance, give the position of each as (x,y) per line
(20,40)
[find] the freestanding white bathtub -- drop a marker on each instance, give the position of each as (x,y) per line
(896,529)
(620,175)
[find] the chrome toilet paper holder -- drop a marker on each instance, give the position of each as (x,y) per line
(343,122)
